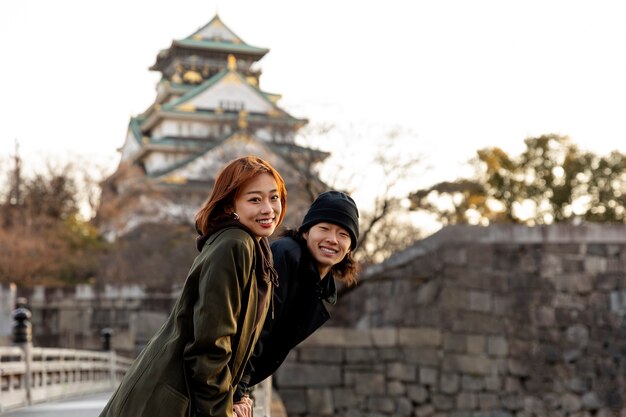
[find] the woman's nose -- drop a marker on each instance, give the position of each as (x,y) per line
(266,207)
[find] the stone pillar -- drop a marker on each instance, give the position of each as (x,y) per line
(23,338)
(106,334)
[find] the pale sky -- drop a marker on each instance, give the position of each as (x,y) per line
(460,75)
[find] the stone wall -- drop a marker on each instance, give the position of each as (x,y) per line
(472,322)
(73,317)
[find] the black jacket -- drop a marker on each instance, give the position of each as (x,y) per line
(298,309)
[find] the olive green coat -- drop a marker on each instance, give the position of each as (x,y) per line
(192,365)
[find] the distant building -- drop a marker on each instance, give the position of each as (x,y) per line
(209,109)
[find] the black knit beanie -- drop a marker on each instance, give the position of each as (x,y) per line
(337,208)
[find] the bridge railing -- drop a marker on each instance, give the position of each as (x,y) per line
(34,375)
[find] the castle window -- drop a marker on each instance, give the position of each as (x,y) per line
(231,105)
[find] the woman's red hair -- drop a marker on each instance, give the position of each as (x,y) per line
(227,186)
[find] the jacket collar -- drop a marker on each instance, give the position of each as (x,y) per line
(325,288)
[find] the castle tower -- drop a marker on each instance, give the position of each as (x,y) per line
(209,109)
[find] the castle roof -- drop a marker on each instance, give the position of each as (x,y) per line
(214,37)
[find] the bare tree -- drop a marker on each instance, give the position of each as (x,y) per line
(381,173)
(43,240)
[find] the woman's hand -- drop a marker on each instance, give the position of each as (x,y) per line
(244,407)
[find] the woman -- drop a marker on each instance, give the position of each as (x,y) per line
(194,362)
(307,260)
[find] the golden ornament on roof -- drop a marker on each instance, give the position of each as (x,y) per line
(242,122)
(192,77)
(232,62)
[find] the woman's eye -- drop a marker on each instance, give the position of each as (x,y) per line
(344,235)
(255,200)
(275,197)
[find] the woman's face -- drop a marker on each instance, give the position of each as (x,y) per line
(328,243)
(258,205)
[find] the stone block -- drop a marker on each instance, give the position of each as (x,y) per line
(320,402)
(454,342)
(472,383)
(493,383)
(401,372)
(476,344)
(417,393)
(305,375)
(454,298)
(469,364)
(478,322)
(455,256)
(551,265)
(533,405)
(571,283)
(428,376)
(517,367)
(427,293)
(502,306)
(467,401)
(571,403)
(551,401)
(396,388)
(404,407)
(480,256)
(512,402)
(294,400)
(427,410)
(480,301)
(370,384)
(321,354)
(345,398)
(545,316)
(357,368)
(361,355)
(488,401)
(449,383)
(443,402)
(497,346)
(380,403)
(390,354)
(590,401)
(574,265)
(460,414)
(339,337)
(421,356)
(577,335)
(419,337)
(384,337)
(596,249)
(595,265)
(372,305)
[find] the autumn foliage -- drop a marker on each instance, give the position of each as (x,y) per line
(551,181)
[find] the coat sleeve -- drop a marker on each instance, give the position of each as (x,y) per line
(223,277)
(285,264)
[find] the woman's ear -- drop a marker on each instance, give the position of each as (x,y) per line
(305,235)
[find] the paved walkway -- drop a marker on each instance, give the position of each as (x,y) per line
(85,406)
